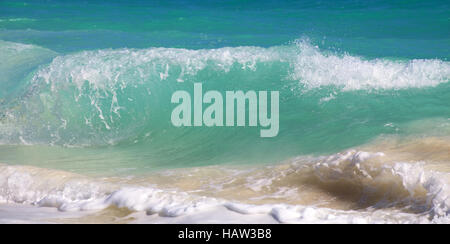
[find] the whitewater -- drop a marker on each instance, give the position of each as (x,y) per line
(362,93)
(87,138)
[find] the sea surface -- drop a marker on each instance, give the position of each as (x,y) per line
(85,111)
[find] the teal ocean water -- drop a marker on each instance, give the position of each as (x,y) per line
(85,88)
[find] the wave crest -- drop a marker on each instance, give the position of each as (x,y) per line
(316,69)
(110,96)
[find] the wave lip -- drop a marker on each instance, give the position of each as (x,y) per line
(311,66)
(316,69)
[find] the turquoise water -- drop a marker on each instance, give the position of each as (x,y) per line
(87,86)
(409,29)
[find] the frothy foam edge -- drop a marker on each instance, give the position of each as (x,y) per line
(70,192)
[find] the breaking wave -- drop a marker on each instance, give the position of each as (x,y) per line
(107,97)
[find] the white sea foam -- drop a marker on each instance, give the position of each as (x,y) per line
(105,68)
(17,20)
(310,66)
(425,190)
(315,68)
